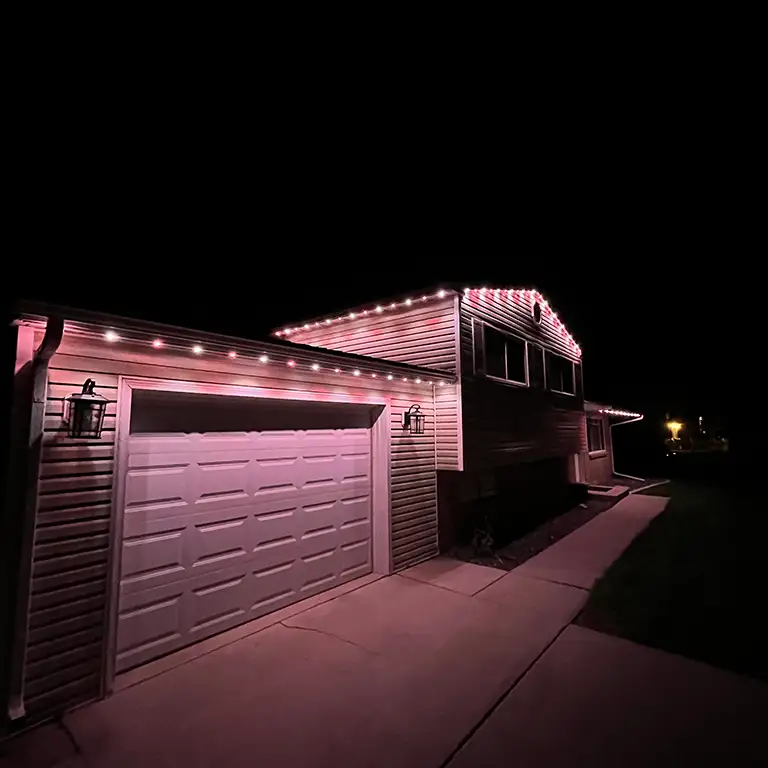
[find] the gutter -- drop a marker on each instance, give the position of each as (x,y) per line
(28,442)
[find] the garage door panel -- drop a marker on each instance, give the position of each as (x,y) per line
(223,528)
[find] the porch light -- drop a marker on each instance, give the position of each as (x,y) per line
(85,412)
(413,420)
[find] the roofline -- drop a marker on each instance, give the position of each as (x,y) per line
(36,311)
(381,306)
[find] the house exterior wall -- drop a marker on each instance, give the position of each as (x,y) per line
(424,335)
(507,424)
(76,515)
(598,466)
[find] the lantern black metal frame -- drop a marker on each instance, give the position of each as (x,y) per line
(413,420)
(85,412)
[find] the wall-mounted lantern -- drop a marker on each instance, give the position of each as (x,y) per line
(413,420)
(85,412)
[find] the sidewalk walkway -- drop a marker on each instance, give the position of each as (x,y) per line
(582,557)
(411,670)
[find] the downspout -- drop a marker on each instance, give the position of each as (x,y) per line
(31,443)
(618,424)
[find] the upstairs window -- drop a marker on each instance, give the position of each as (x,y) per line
(560,375)
(595,434)
(503,356)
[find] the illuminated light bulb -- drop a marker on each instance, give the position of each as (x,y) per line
(306,326)
(373,375)
(379,308)
(337,370)
(390,377)
(317,325)
(197,349)
(418,381)
(408,302)
(233,354)
(278,333)
(355,372)
(483,290)
(315,367)
(328,321)
(111,336)
(287,331)
(392,305)
(263,359)
(442,383)
(365,312)
(157,343)
(466,290)
(352,315)
(423,298)
(291,363)
(404,378)
(441,294)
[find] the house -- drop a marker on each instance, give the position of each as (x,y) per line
(230,477)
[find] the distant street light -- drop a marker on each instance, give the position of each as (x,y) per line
(674,427)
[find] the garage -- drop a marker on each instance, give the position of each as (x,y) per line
(234,507)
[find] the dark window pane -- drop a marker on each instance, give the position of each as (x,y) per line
(595,435)
(515,359)
(560,374)
(535,366)
(477,344)
(495,353)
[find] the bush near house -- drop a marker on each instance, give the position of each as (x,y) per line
(696,581)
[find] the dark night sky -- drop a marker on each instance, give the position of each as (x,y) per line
(634,227)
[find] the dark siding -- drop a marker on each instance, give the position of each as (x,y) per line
(599,466)
(506,424)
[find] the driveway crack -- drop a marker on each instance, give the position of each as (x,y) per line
(329,634)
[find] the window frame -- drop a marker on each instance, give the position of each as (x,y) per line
(595,453)
(546,374)
(479,326)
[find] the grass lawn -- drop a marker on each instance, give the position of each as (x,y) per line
(696,581)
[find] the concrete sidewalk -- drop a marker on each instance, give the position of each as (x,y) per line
(597,700)
(439,663)
(582,557)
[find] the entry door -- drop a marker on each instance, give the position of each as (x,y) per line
(220,528)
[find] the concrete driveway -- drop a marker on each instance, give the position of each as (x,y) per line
(446,665)
(396,672)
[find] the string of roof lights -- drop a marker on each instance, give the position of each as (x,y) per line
(516,294)
(198,350)
(614,412)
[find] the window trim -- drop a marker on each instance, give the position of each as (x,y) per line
(482,325)
(573,375)
(599,452)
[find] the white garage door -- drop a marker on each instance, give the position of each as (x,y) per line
(222,527)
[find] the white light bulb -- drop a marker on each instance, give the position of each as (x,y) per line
(442,383)
(418,381)
(379,308)
(390,377)
(352,315)
(233,354)
(197,349)
(355,372)
(263,359)
(111,336)
(328,321)
(441,294)
(373,375)
(337,370)
(408,302)
(315,367)
(157,343)
(291,363)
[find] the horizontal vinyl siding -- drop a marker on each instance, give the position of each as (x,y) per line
(508,314)
(423,335)
(448,427)
(508,425)
(68,619)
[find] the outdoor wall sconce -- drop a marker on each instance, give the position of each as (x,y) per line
(85,412)
(413,420)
